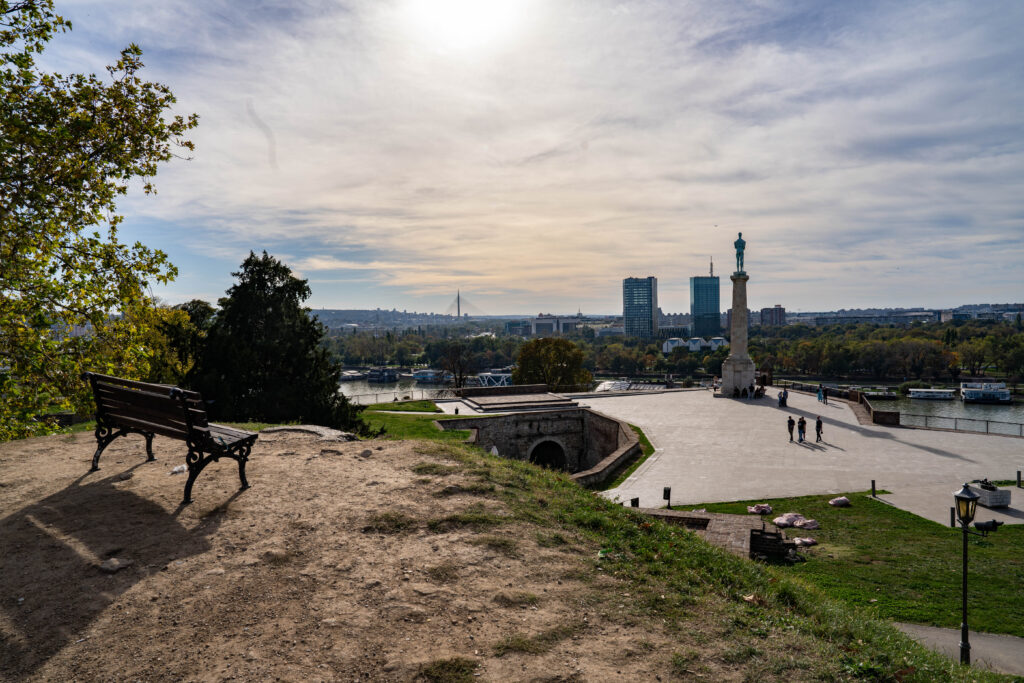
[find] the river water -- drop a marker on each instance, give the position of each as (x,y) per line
(955,414)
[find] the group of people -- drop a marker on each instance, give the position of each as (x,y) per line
(783,397)
(801,428)
(822,394)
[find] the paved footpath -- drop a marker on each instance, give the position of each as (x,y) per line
(712,449)
(988,650)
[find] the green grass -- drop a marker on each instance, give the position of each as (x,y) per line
(389,523)
(411,406)
(412,427)
(454,670)
(678,581)
(539,643)
(899,566)
(647,449)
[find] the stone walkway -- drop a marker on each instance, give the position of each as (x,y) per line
(993,651)
(712,449)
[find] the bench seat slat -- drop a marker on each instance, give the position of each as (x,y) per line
(176,416)
(230,434)
(118,383)
(164,429)
(163,403)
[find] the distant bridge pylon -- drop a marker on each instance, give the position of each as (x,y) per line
(460,306)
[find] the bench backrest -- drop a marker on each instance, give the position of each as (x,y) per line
(159,408)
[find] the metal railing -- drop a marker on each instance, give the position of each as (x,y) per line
(962,424)
(400,395)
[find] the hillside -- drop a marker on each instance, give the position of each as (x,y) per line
(387,560)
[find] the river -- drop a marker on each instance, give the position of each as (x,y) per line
(955,414)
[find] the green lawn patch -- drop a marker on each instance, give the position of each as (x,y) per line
(409,406)
(412,427)
(647,448)
(902,567)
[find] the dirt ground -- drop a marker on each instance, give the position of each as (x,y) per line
(297,578)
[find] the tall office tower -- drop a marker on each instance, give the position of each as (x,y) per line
(640,307)
(705,312)
(774,317)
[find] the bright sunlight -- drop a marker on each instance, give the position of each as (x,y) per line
(465,25)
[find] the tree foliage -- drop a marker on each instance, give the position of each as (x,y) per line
(264,357)
(69,145)
(558,363)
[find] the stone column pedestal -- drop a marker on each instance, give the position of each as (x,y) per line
(738,370)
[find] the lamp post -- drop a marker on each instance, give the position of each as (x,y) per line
(966,504)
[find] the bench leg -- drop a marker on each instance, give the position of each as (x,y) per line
(196,464)
(243,457)
(104,435)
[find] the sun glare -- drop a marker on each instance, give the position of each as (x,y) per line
(462,25)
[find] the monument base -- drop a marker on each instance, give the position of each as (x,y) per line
(737,377)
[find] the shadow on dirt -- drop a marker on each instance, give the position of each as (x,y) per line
(53,586)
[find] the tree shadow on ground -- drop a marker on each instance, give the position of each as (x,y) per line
(53,587)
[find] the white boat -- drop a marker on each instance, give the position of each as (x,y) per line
(352,376)
(429,376)
(985,392)
(933,394)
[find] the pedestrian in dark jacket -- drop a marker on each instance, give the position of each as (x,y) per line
(824,395)
(790,424)
(817,429)
(801,429)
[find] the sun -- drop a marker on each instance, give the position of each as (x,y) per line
(464,25)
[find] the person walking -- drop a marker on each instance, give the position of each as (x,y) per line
(817,429)
(790,424)
(785,397)
(801,429)
(819,393)
(824,395)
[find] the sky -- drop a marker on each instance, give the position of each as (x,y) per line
(534,153)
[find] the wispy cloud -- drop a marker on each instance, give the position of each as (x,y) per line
(598,141)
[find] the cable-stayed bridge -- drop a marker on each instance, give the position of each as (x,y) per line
(461,306)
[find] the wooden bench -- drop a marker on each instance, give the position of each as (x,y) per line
(126,407)
(770,545)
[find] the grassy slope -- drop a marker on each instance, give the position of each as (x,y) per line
(777,623)
(910,567)
(646,447)
(413,426)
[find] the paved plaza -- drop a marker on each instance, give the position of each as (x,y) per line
(712,449)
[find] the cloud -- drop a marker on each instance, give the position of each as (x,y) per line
(601,140)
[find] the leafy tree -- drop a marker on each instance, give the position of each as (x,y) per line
(456,358)
(69,145)
(556,362)
(175,341)
(264,357)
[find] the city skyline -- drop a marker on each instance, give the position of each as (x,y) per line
(533,154)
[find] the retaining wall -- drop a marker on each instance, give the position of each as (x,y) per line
(595,445)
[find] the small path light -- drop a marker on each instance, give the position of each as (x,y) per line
(966,506)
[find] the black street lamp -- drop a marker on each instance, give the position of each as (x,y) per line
(966,505)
